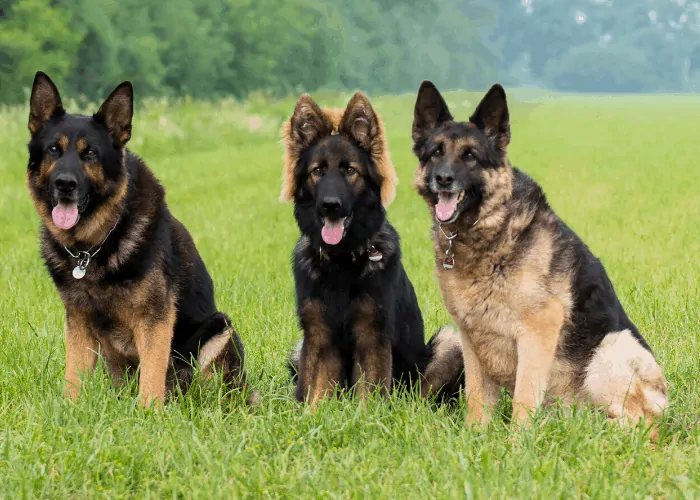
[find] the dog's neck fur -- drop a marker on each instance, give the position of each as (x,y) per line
(383,240)
(484,240)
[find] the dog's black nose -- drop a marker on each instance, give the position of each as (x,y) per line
(66,183)
(331,204)
(444,178)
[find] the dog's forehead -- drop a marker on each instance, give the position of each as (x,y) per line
(459,134)
(335,148)
(74,127)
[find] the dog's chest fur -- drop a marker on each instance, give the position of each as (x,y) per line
(501,296)
(115,310)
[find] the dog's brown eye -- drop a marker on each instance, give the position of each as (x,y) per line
(468,155)
(437,153)
(317,171)
(53,150)
(350,171)
(90,155)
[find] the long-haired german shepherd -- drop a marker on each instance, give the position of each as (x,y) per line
(129,275)
(362,324)
(535,307)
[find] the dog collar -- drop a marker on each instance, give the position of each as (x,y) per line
(85,256)
(372,253)
(449,261)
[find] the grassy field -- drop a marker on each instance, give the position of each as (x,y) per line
(622,171)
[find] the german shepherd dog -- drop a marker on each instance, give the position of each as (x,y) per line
(362,325)
(128,273)
(536,309)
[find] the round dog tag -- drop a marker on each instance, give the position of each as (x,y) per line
(78,272)
(375,256)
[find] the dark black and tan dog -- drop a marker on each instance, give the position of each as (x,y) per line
(133,285)
(536,310)
(362,324)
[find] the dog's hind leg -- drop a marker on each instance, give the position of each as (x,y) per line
(624,378)
(223,351)
(444,373)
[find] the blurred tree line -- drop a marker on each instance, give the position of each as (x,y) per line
(211,48)
(601,45)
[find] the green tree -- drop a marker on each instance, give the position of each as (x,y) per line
(34,36)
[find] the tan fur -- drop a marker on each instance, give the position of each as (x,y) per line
(321,366)
(515,333)
(81,145)
(153,341)
(82,351)
(481,387)
(332,123)
(512,309)
(536,351)
(211,352)
(141,336)
(45,170)
(373,354)
(625,379)
(94,229)
(63,141)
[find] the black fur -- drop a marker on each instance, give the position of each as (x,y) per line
(341,276)
(146,263)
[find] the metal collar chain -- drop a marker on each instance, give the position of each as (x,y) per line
(449,261)
(372,253)
(84,257)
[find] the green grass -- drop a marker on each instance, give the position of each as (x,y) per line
(622,171)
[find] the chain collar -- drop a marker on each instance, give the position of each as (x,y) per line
(449,261)
(372,253)
(85,256)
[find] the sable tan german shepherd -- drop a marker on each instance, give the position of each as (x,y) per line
(536,310)
(132,282)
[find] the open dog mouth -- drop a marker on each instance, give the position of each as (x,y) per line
(66,212)
(446,207)
(333,231)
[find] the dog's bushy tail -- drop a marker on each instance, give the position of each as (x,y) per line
(443,375)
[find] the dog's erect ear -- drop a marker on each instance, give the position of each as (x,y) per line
(492,117)
(360,122)
(116,113)
(430,111)
(308,123)
(45,102)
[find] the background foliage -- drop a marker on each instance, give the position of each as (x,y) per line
(212,48)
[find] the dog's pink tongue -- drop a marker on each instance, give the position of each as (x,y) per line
(65,215)
(446,207)
(332,232)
